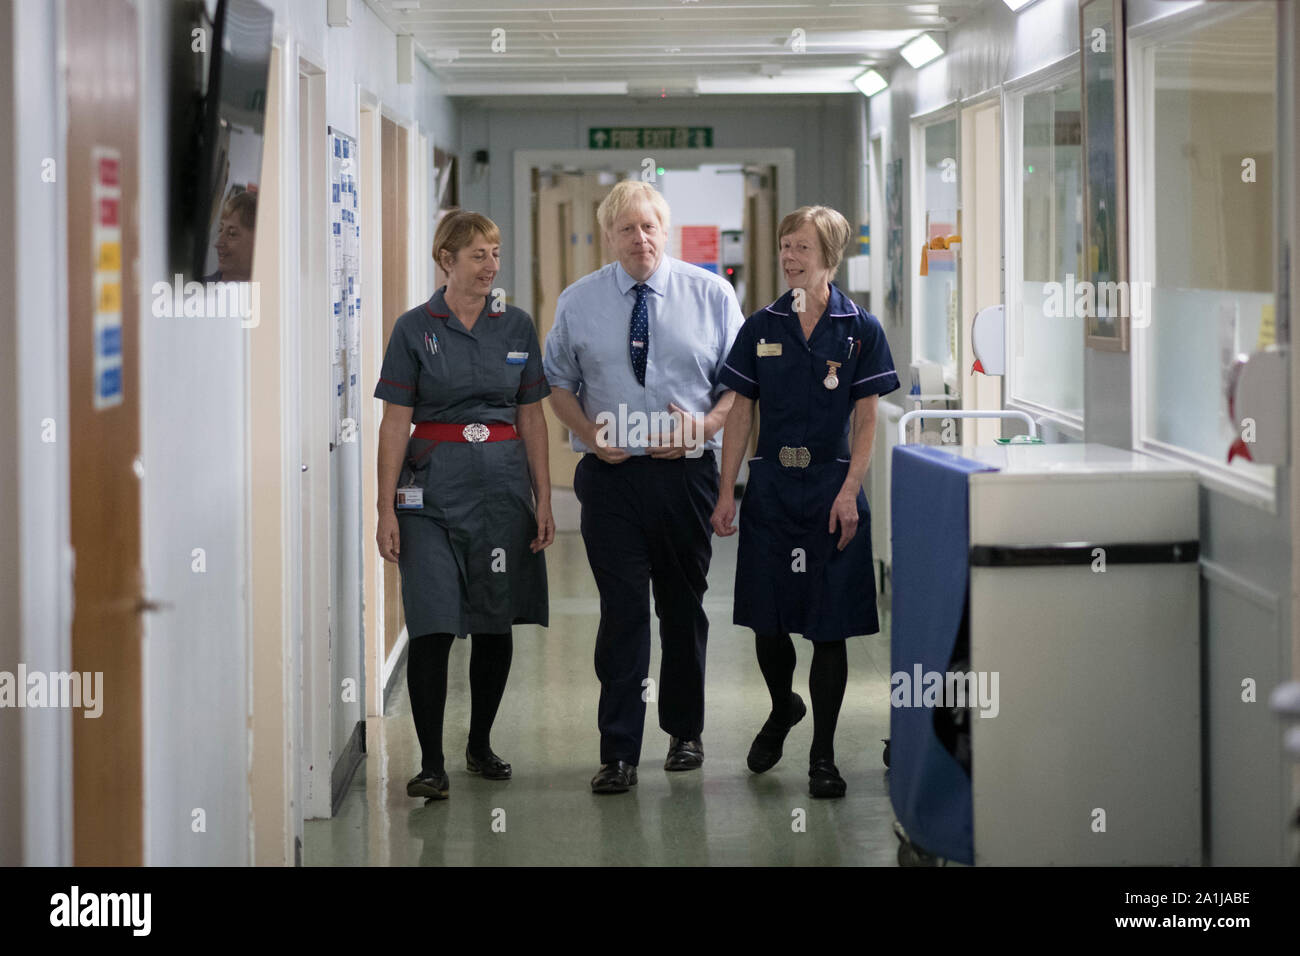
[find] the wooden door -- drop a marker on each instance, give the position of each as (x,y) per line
(555,248)
(760,222)
(759,225)
(104,426)
(601,254)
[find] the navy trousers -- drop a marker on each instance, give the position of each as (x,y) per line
(645,523)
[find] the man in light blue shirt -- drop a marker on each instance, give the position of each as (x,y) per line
(634,362)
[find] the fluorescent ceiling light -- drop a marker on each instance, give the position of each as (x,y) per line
(853,41)
(922,50)
(1017,4)
(870,83)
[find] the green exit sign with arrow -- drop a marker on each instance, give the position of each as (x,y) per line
(650,137)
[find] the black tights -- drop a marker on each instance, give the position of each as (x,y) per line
(426,679)
(827,678)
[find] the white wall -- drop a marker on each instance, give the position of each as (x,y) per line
(193,380)
(11,743)
(40,312)
(708,196)
(192,446)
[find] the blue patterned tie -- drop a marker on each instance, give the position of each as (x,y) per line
(639,334)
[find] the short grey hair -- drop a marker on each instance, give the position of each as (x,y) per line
(833,231)
(625,194)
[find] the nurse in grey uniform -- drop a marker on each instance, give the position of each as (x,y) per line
(811,359)
(465,498)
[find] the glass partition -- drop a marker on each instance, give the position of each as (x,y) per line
(1048,352)
(1208,230)
(935,311)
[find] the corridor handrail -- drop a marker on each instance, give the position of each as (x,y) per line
(907,417)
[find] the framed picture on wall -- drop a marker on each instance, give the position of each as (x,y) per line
(1105,206)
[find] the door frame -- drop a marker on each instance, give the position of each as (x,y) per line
(914,218)
(274,565)
(312,407)
(370,184)
(877,215)
(982,392)
(34,480)
(403,130)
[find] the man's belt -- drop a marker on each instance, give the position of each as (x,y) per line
(439,431)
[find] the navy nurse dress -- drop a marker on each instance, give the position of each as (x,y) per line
(790,578)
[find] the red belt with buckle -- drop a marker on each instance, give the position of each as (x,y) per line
(438,431)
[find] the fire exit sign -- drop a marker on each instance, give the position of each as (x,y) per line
(650,137)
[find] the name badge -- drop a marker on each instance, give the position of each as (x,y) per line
(766,348)
(516,358)
(410,498)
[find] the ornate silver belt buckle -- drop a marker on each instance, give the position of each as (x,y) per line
(794,457)
(475,432)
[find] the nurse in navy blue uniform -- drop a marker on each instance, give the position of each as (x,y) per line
(817,364)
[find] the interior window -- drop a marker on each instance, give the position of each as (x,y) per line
(1048,352)
(1210,243)
(936,306)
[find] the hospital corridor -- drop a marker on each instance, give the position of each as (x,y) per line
(725,817)
(651,434)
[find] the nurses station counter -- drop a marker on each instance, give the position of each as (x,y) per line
(1068,576)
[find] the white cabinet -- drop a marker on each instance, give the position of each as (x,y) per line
(1084,601)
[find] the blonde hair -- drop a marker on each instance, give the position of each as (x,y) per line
(244,205)
(833,231)
(626,193)
(458,229)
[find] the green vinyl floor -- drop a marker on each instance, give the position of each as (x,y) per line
(720,815)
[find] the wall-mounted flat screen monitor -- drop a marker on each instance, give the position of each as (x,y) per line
(220,169)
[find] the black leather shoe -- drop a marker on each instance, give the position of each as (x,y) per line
(684,754)
(766,749)
(434,786)
(824,780)
(616,777)
(489,765)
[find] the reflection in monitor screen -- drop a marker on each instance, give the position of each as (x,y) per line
(225,218)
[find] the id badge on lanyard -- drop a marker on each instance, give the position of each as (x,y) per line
(410,498)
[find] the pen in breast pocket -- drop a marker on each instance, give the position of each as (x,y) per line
(431,343)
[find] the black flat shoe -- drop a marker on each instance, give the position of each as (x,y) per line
(684,754)
(616,777)
(766,749)
(489,765)
(434,786)
(824,780)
